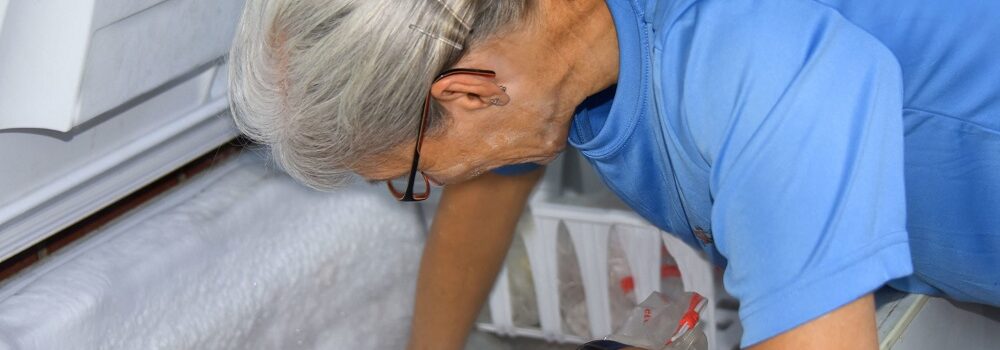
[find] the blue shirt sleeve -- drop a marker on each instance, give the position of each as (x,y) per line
(799,114)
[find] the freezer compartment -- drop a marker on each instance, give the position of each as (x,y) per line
(240,257)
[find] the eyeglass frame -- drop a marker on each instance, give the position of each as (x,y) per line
(408,195)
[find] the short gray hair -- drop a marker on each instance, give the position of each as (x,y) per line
(329,83)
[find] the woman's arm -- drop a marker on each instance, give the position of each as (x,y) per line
(469,239)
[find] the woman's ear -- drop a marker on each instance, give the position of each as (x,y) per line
(469,92)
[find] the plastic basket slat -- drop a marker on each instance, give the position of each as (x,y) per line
(500,305)
(642,251)
(591,243)
(541,248)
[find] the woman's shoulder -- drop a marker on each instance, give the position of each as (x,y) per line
(727,60)
(753,24)
(762,45)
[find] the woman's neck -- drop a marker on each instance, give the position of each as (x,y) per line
(582,41)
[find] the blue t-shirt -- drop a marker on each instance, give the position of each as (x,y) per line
(771,135)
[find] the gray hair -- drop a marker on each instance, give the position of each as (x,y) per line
(330,83)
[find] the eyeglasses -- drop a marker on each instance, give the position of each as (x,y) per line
(408,195)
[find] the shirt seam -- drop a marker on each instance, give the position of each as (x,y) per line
(952,117)
(859,27)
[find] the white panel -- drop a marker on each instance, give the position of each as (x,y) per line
(501,314)
(42,50)
(541,247)
(943,324)
(642,251)
(590,241)
(3,12)
(109,11)
(65,62)
(32,160)
(894,314)
(50,180)
(146,50)
(133,88)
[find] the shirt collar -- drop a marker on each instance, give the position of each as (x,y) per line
(630,95)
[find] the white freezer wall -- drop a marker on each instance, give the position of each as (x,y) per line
(3,11)
(65,62)
(140,85)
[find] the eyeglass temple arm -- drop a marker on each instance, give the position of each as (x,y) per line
(408,195)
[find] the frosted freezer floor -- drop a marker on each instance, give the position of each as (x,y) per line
(238,258)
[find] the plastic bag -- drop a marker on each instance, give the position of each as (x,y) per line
(691,340)
(690,333)
(650,324)
(660,324)
(574,304)
(621,291)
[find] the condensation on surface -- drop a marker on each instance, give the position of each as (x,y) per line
(251,261)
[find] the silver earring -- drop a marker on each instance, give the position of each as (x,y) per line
(503,88)
(495,101)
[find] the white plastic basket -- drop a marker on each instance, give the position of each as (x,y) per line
(589,214)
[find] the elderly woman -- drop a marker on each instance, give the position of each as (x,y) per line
(770,134)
